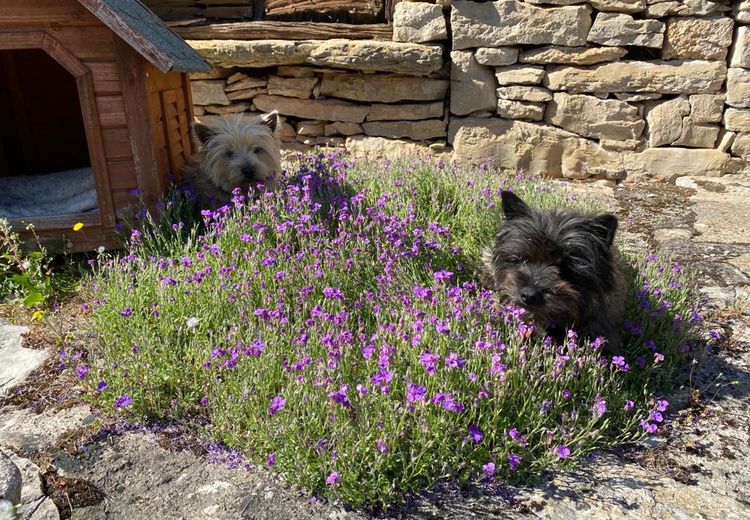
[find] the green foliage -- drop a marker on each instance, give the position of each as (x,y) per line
(24,275)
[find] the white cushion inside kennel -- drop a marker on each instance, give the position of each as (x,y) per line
(57,193)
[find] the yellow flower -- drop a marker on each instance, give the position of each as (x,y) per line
(37,316)
(78,226)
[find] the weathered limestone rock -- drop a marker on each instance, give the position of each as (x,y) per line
(417,130)
(370,56)
(596,118)
(665,121)
(418,22)
(741,146)
(25,432)
(741,49)
(383,88)
(684,8)
(533,94)
(10,480)
(252,53)
(320,109)
(405,112)
(339,128)
(234,108)
(246,94)
(209,92)
(666,164)
(622,29)
(291,87)
(571,55)
(705,38)
(619,6)
(509,22)
(496,57)
(634,98)
(676,77)
(519,75)
(737,120)
(17,361)
(741,11)
(244,83)
(380,148)
(295,71)
(520,110)
(738,88)
(473,86)
(534,147)
(697,135)
(311,128)
(706,108)
(726,140)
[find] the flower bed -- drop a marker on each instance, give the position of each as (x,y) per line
(335,332)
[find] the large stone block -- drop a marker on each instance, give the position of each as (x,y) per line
(677,77)
(509,22)
(520,110)
(571,55)
(416,130)
(472,85)
(406,112)
(291,87)
(619,6)
(339,128)
(209,92)
(665,121)
(684,8)
(371,56)
(418,22)
(741,48)
(622,29)
(496,57)
(537,148)
(383,88)
(320,109)
(741,11)
(593,117)
(522,93)
(667,164)
(696,135)
(698,38)
(741,146)
(10,480)
(706,108)
(519,75)
(737,119)
(252,53)
(738,88)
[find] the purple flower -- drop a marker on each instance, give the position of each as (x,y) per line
(453,361)
(331,293)
(452,405)
(566,394)
(271,461)
(81,371)
(658,358)
(514,460)
(123,401)
(333,478)
(475,433)
(629,405)
(382,446)
(415,393)
(489,469)
(442,276)
(563,451)
(429,361)
(340,396)
(102,386)
(662,405)
(497,367)
(442,327)
(649,427)
(656,416)
(277,403)
(517,437)
(600,405)
(126,312)
(203,401)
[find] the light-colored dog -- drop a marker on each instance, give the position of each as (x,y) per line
(234,152)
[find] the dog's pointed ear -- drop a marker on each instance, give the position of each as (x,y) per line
(272,120)
(513,206)
(605,226)
(202,133)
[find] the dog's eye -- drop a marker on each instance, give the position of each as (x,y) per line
(517,259)
(257,149)
(229,153)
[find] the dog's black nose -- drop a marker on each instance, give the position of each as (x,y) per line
(248,172)
(531,296)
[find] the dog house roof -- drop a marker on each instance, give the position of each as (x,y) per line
(147,34)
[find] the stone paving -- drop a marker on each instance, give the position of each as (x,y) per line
(700,471)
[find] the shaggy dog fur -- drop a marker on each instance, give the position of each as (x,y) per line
(234,152)
(561,266)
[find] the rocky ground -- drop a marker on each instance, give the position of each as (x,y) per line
(60,462)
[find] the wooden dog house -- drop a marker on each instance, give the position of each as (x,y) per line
(96,86)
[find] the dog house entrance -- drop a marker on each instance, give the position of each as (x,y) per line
(45,166)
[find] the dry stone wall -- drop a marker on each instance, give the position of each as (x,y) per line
(606,88)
